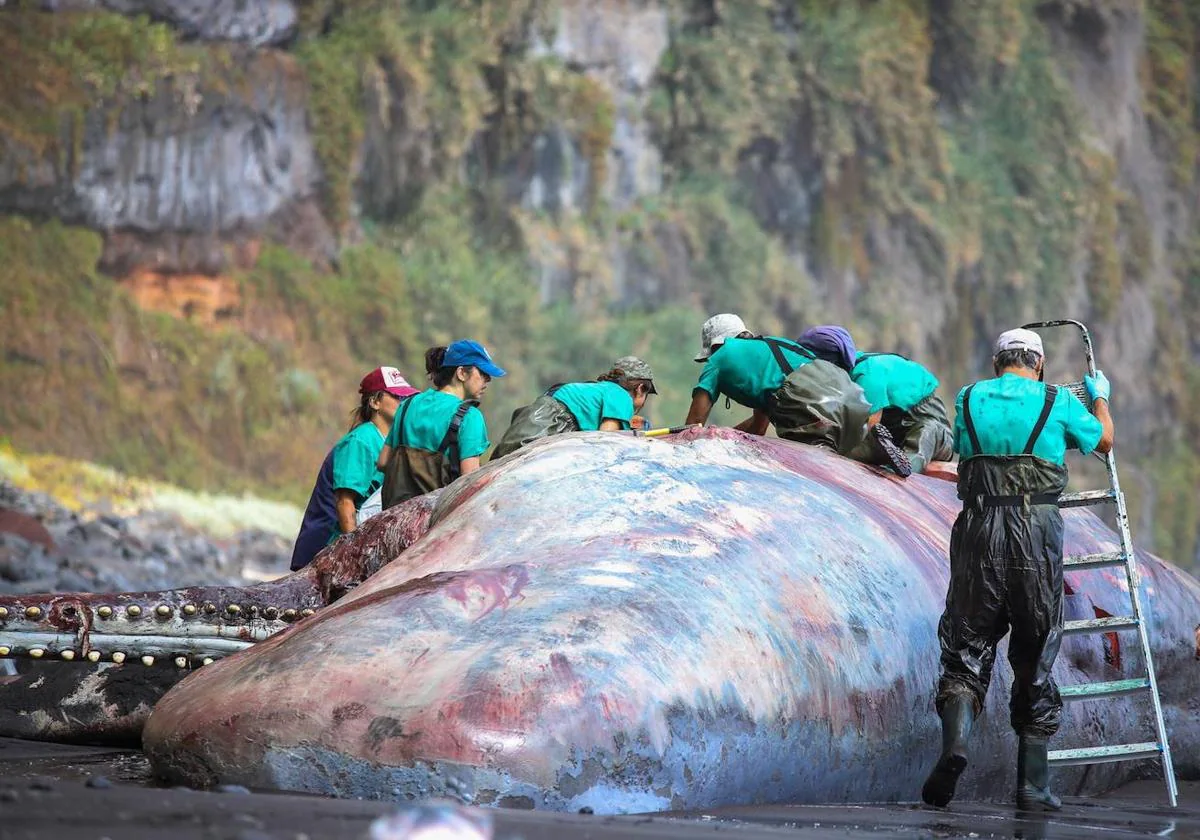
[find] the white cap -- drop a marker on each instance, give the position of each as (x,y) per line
(1020,339)
(714,332)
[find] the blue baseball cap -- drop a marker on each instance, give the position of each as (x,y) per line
(467,352)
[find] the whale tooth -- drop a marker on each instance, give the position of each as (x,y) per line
(289,615)
(189,609)
(68,655)
(181,661)
(3,612)
(271,613)
(36,653)
(162,610)
(105,612)
(118,657)
(133,611)
(5,650)
(33,612)
(210,608)
(93,656)
(306,612)
(206,660)
(147,661)
(233,609)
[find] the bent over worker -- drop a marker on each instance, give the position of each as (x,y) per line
(835,345)
(607,405)
(808,400)
(439,434)
(904,400)
(1006,548)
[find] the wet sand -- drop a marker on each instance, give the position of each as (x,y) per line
(86,793)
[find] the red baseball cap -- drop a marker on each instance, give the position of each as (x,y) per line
(387,379)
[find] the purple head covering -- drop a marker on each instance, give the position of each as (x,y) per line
(831,343)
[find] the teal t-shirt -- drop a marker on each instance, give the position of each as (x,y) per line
(745,370)
(1005,410)
(591,403)
(354,458)
(891,381)
(428,418)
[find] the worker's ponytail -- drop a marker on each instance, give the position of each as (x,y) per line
(435,367)
(363,412)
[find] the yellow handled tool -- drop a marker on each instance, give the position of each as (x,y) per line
(666,431)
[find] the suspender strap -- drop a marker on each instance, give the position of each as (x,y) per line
(780,359)
(1047,407)
(970,424)
(450,441)
(451,438)
(777,346)
(400,421)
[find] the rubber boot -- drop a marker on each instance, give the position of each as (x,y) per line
(1033,776)
(896,457)
(958,716)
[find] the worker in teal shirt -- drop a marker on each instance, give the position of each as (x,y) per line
(440,434)
(834,344)
(607,405)
(1006,548)
(807,399)
(348,475)
(903,398)
(610,403)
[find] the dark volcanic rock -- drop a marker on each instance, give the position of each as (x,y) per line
(107,553)
(189,178)
(26,527)
(261,23)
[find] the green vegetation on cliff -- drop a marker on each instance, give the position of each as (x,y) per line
(89,374)
(56,67)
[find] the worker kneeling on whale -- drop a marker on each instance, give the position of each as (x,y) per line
(1006,557)
(807,398)
(609,404)
(904,400)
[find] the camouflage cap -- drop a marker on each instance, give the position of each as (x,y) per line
(635,368)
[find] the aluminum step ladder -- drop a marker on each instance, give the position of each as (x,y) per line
(1102,754)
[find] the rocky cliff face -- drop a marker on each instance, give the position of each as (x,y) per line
(926,172)
(183,178)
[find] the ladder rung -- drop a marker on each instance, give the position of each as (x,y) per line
(1093,691)
(1083,562)
(1087,497)
(1104,755)
(1100,625)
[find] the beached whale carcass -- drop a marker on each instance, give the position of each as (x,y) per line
(628,624)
